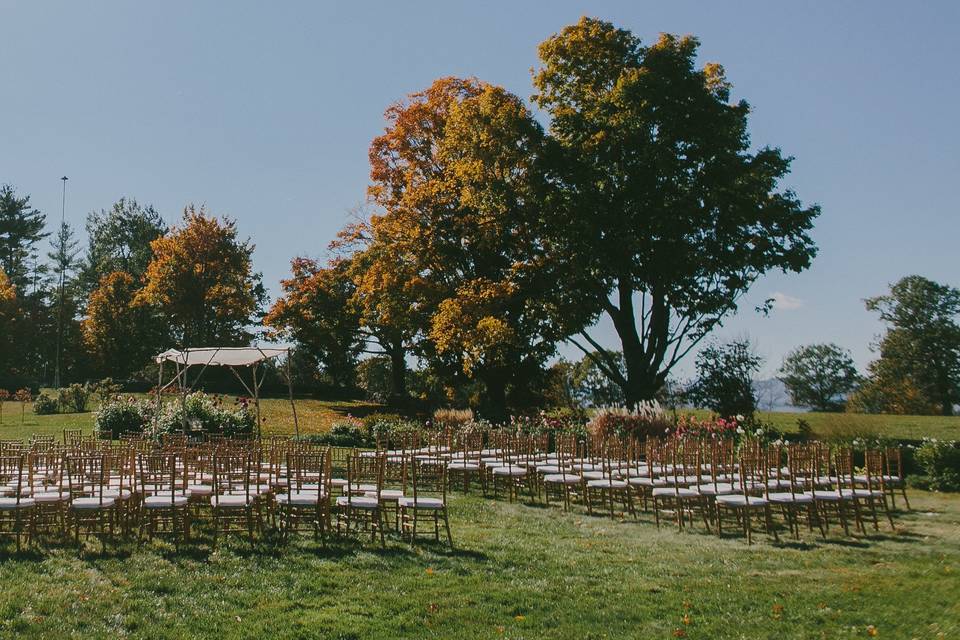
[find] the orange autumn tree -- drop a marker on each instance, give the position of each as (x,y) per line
(8,313)
(120,334)
(201,278)
(458,177)
(315,311)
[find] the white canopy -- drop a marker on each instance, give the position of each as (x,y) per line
(220,356)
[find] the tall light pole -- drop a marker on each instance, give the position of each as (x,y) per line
(56,362)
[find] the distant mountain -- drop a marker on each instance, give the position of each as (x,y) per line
(772,395)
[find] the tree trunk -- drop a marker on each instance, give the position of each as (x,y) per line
(398,373)
(642,361)
(496,396)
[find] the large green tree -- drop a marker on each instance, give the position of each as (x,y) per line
(315,310)
(724,381)
(919,363)
(21,228)
(119,240)
(667,216)
(819,376)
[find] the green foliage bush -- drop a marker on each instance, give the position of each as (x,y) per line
(940,460)
(75,398)
(207,414)
(123,415)
(44,405)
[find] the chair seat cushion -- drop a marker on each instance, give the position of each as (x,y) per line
(8,504)
(674,492)
(607,483)
(92,503)
(463,466)
(231,500)
(832,496)
(718,489)
(799,498)
(363,488)
(559,478)
(867,493)
(386,494)
(593,475)
(421,503)
(509,471)
(547,468)
(49,496)
(358,502)
(300,498)
(644,481)
(740,500)
(161,501)
(200,490)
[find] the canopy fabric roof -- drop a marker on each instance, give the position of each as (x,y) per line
(220,356)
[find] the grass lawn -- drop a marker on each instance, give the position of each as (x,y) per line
(518,571)
(843,424)
(314,416)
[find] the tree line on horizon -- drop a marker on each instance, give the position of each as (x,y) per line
(491,240)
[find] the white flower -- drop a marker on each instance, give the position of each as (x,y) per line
(740,430)
(740,418)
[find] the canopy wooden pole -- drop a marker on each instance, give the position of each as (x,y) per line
(156,418)
(256,399)
(182,376)
(293,405)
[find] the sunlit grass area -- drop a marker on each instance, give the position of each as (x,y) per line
(517,571)
(827,425)
(314,416)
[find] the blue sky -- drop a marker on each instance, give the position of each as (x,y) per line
(264,111)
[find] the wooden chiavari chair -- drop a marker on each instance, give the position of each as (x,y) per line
(429,499)
(684,457)
(869,488)
(513,471)
(233,502)
(467,464)
(92,508)
(796,499)
(162,482)
(16,510)
(49,490)
(306,503)
(753,476)
(360,509)
(608,490)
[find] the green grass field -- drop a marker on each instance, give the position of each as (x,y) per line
(518,571)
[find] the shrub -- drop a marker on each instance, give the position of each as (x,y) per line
(369,421)
(940,460)
(648,419)
(207,414)
(689,426)
(452,418)
(106,390)
(123,415)
(75,398)
(348,432)
(44,405)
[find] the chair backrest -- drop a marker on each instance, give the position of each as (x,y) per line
(231,473)
(11,473)
(160,474)
(308,471)
(429,478)
(364,470)
(87,474)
